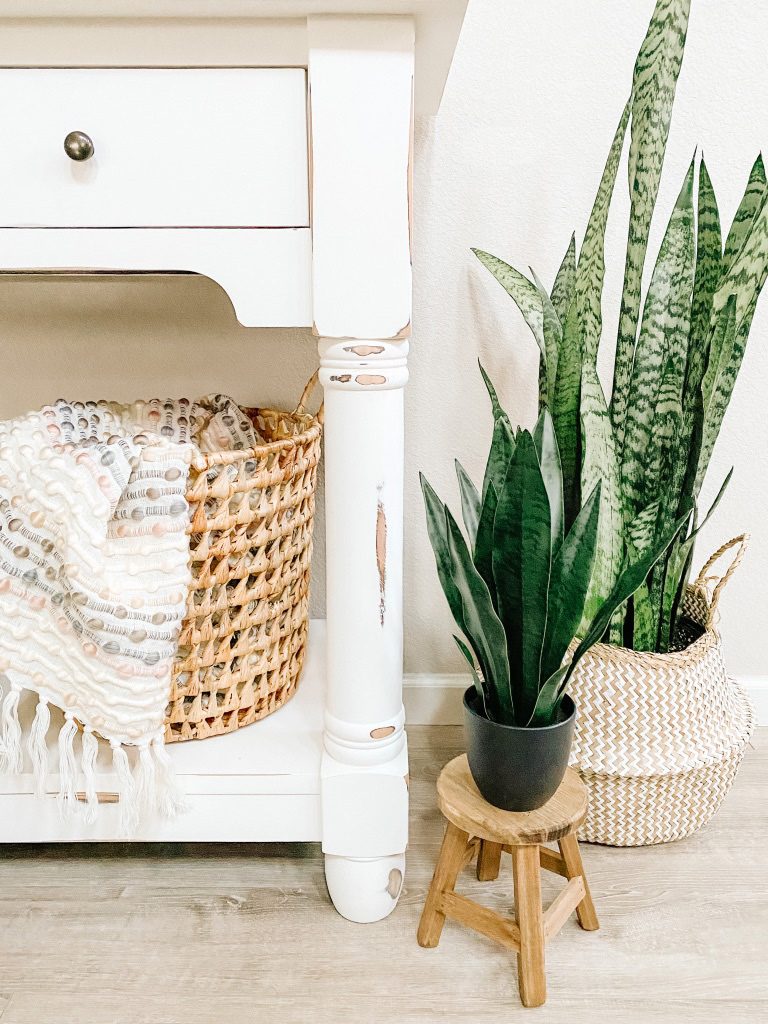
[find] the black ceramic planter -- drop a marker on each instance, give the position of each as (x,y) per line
(514,768)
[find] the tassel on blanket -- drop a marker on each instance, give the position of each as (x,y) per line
(67,766)
(128,805)
(10,730)
(88,763)
(170,798)
(146,793)
(37,746)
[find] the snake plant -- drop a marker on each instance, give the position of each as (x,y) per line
(518,583)
(677,353)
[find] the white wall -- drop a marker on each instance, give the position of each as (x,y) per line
(511,164)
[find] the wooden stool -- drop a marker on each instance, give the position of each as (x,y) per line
(477,829)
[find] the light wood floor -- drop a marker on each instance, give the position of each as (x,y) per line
(236,934)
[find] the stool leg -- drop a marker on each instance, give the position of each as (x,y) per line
(488,861)
(585,912)
(528,914)
(449,864)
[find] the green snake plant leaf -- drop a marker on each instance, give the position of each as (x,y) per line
(498,412)
(499,456)
(644,623)
(437,530)
(627,583)
(565,414)
(469,658)
(678,570)
(483,628)
(470,502)
(483,551)
(590,269)
(552,472)
(521,290)
(726,352)
(749,207)
(522,554)
(565,281)
(553,337)
(709,269)
(741,285)
(663,337)
(642,529)
(600,464)
(653,93)
(571,572)
(550,695)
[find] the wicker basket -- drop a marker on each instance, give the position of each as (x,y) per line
(242,642)
(659,737)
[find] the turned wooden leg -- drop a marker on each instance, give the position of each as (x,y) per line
(585,911)
(488,861)
(528,914)
(449,864)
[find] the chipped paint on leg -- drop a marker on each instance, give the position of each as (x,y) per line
(342,378)
(365,350)
(367,379)
(381,556)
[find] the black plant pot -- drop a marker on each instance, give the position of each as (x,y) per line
(514,768)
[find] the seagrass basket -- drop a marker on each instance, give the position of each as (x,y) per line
(659,737)
(242,642)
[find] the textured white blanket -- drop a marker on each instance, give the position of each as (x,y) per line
(94,574)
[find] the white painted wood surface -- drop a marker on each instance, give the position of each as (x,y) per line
(222,147)
(267,32)
(361,87)
(266,272)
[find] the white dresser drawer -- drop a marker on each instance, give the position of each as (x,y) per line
(208,147)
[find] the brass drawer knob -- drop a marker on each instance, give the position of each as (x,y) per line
(78,146)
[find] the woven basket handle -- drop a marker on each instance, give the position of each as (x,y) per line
(704,580)
(306,394)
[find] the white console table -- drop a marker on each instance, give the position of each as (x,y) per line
(266,144)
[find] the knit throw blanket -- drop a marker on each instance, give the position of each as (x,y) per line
(94,574)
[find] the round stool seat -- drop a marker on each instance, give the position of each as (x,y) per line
(461,803)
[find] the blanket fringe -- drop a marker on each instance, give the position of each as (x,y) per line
(67,766)
(170,798)
(10,730)
(90,752)
(37,746)
(129,817)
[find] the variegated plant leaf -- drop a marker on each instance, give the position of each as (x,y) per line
(663,338)
(553,337)
(470,501)
(709,270)
(498,412)
(521,290)
(552,473)
(590,269)
(565,281)
(642,529)
(470,660)
(738,291)
(749,207)
(600,465)
(565,414)
(653,93)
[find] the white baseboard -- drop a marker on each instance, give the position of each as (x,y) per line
(436,699)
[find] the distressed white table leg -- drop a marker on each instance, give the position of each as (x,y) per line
(365,766)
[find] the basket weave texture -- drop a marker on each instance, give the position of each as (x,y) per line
(659,737)
(243,639)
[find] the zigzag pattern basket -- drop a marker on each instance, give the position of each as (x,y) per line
(659,737)
(242,642)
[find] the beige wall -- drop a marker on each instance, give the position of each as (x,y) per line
(510,164)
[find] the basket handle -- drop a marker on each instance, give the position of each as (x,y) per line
(703,580)
(305,397)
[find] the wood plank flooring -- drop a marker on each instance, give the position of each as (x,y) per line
(245,935)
